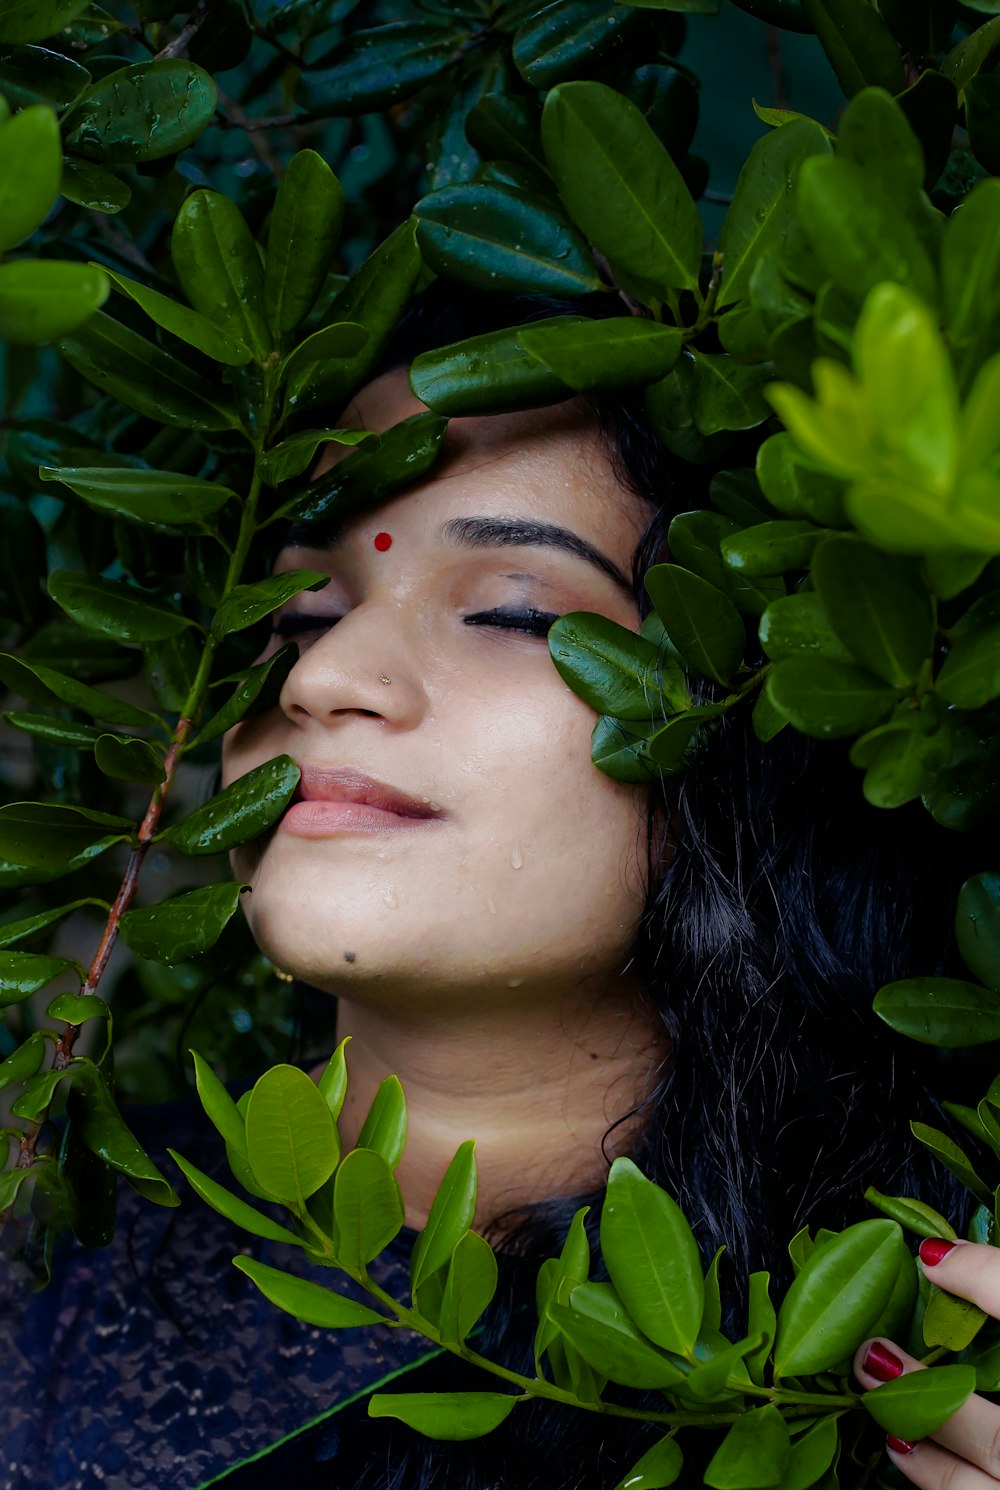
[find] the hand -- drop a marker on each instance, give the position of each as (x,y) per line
(964,1453)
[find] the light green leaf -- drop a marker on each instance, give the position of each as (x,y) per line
(290,1136)
(384,1127)
(659,1467)
(367,1207)
(469,1287)
(754,1453)
(32,160)
(453,1416)
(451,1215)
(916,1404)
(42,302)
(230,1206)
(307,1301)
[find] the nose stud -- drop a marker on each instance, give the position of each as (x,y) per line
(384,679)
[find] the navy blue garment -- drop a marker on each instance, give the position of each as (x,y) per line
(154,1364)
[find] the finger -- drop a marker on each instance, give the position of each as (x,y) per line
(972,1433)
(932,1468)
(969,1269)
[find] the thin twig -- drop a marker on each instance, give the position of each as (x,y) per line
(188,31)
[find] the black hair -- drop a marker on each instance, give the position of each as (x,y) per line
(785,901)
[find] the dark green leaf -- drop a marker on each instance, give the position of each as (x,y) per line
(241,811)
(219,268)
(305,226)
(492,236)
(727,394)
(977,927)
(858,42)
(42,302)
(182,927)
(659,1466)
(293,455)
(771,548)
(620,352)
(259,690)
(505,126)
(762,209)
(916,1404)
(99,1124)
(970,676)
(828,699)
(621,187)
(23,973)
(669,746)
(34,20)
(837,1297)
(183,322)
(796,625)
(954,1159)
(30,928)
(36,75)
(114,608)
(75,1008)
(753,1454)
(368,475)
(703,624)
(52,837)
(694,540)
(307,1301)
(291,1140)
(113,120)
(453,1416)
(878,606)
(306,366)
(144,377)
(488,374)
(981,97)
(245,605)
(129,760)
(940,1011)
(43,685)
(22,1063)
(797,486)
(903,758)
(375,68)
(367,1207)
(970,262)
(613,669)
(565,38)
(94,187)
(32,161)
(230,1206)
(56,731)
(619,750)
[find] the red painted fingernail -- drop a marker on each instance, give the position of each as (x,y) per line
(899,1445)
(934,1249)
(882,1363)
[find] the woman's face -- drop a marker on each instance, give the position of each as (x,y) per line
(450,830)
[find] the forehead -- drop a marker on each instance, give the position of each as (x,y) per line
(551,463)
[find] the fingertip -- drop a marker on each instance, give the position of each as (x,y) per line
(933,1250)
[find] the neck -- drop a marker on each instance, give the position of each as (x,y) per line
(537,1085)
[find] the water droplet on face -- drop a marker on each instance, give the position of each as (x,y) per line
(390,897)
(514,982)
(516,858)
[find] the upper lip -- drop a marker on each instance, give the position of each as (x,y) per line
(346,784)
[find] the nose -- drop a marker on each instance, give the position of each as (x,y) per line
(366,666)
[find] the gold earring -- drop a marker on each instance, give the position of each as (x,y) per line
(282,976)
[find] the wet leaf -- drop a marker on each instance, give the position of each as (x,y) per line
(219,268)
(114,608)
(23,973)
(305,226)
(245,605)
(102,1129)
(112,121)
(259,690)
(181,321)
(241,811)
(182,927)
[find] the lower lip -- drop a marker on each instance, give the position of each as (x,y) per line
(325,819)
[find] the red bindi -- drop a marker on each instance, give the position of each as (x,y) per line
(383,541)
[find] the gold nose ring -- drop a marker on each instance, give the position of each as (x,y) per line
(384,679)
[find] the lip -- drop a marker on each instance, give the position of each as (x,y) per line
(341,799)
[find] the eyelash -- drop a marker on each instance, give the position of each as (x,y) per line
(529,622)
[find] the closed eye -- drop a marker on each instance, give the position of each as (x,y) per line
(529,622)
(291,625)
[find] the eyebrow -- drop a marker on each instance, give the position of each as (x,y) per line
(516,532)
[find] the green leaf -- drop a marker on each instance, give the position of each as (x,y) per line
(727,394)
(836,1298)
(771,548)
(797,486)
(35,75)
(22,1063)
(129,760)
(93,187)
(694,540)
(37,1096)
(51,837)
(488,374)
(970,261)
(621,187)
(384,1127)
(613,669)
(917,1403)
(562,38)
(183,927)
(293,455)
(861,240)
(469,1288)
(940,1011)
(219,1106)
(827,699)
(669,746)
(878,606)
(34,20)
(219,268)
(981,93)
(796,625)
(23,973)
(245,605)
(56,731)
(453,1416)
(858,42)
(32,163)
(754,1453)
(332,1085)
(401,455)
(291,1140)
(659,1467)
(619,750)
(375,68)
(652,1258)
(164,500)
(307,1301)
(43,685)
(875,134)
(30,928)
(112,121)
(114,608)
(916,1215)
(305,226)
(306,365)
(702,623)
(259,690)
(954,1159)
(186,324)
(970,676)
(505,126)
(230,1206)
(709,1381)
(762,211)
(367,1207)
(451,1215)
(813,1452)
(100,1126)
(977,927)
(620,352)
(761,1320)
(41,302)
(75,1008)
(599,1327)
(241,811)
(492,236)
(950,1321)
(144,377)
